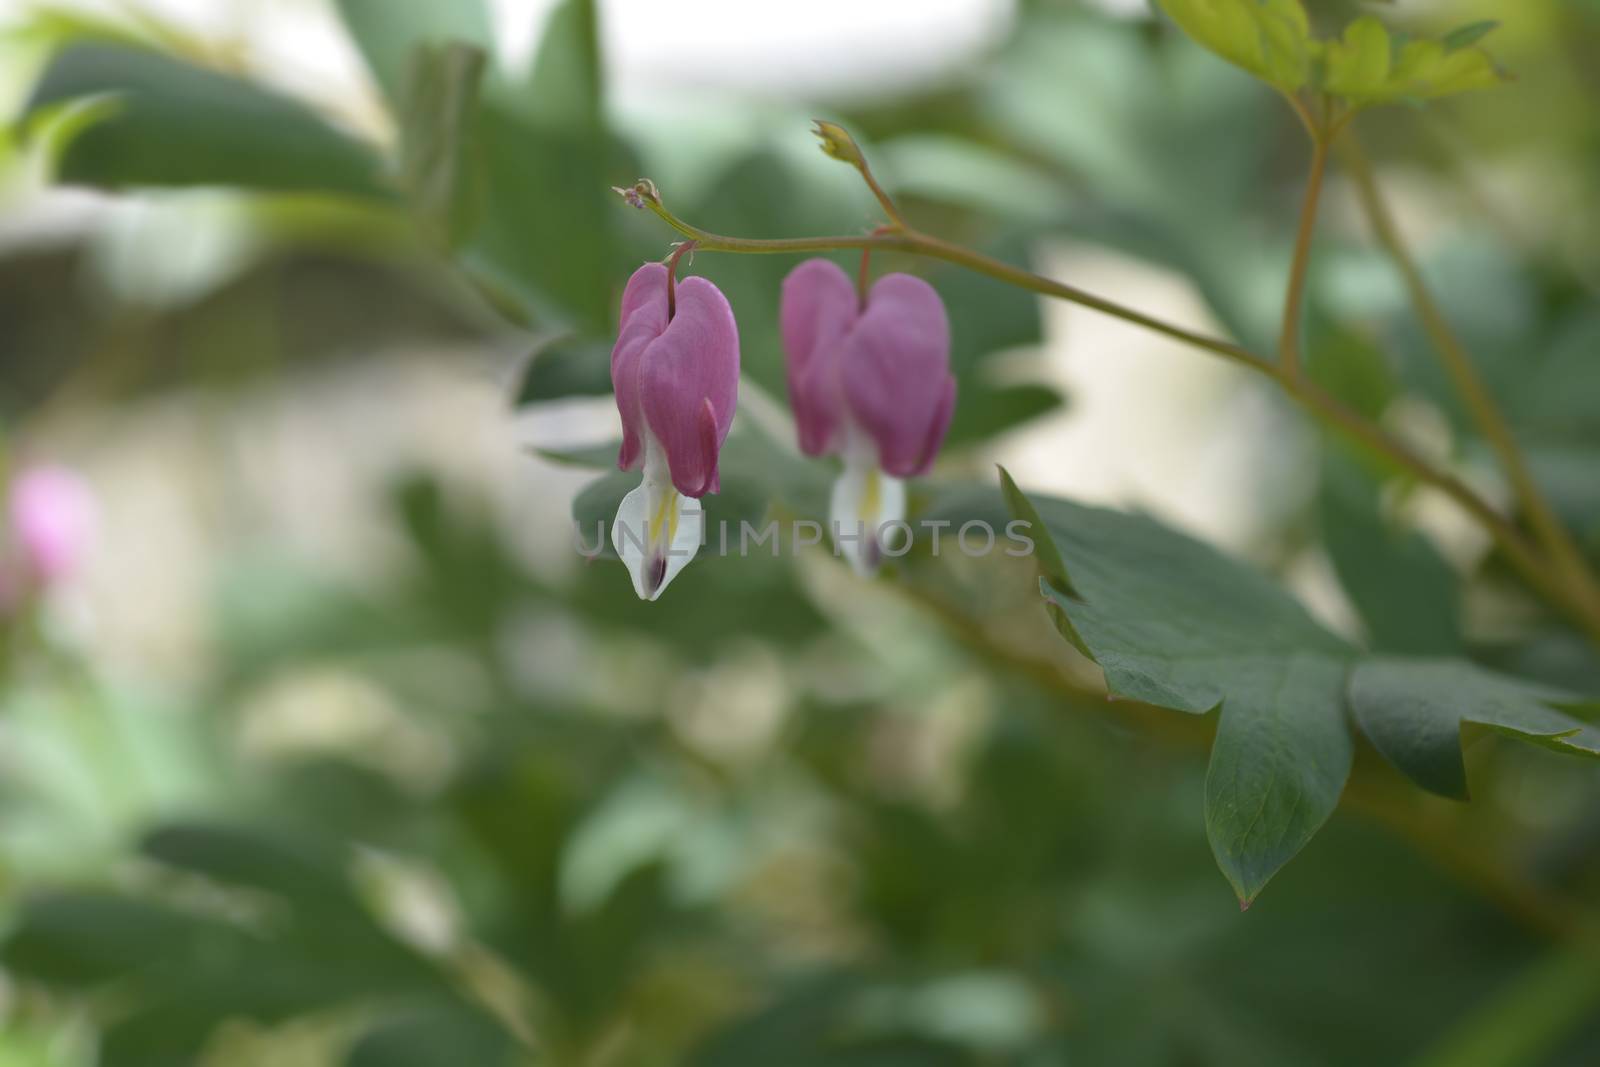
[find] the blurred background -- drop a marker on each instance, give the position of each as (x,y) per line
(321,744)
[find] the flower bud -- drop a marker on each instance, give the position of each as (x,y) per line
(837,142)
(639,194)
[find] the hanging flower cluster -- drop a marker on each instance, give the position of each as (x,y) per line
(869,381)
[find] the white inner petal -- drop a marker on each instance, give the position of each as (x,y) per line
(864,500)
(657,530)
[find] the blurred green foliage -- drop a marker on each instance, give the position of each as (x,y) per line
(776,818)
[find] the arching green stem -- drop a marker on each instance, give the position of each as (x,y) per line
(1522,554)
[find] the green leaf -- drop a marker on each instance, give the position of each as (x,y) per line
(436,1036)
(984,412)
(388,33)
(1272,40)
(1553,400)
(1357,66)
(87,938)
(1408,596)
(551,231)
(1279,762)
(1175,623)
(1269,38)
(1566,474)
(565,367)
(1470,34)
(1051,567)
(438,153)
(548,229)
(175,123)
(231,856)
(593,457)
(1413,711)
(1170,618)
(168,1031)
(1351,367)
(815,1019)
(566,86)
(1427,70)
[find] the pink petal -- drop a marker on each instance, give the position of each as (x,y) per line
(895,369)
(818,308)
(689,385)
(938,427)
(711,436)
(52,518)
(644,316)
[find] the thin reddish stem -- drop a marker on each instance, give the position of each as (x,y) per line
(672,276)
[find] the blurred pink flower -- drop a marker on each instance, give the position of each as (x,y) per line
(869,381)
(675,371)
(52,515)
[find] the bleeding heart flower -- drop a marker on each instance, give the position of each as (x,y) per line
(52,517)
(869,382)
(675,370)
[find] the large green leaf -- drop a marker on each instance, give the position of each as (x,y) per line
(1269,38)
(1413,711)
(173,123)
(389,33)
(1173,622)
